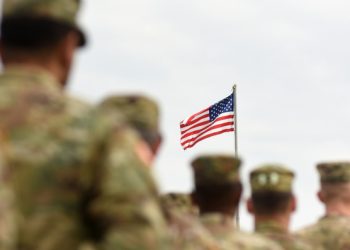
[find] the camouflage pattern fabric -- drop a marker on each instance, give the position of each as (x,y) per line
(185,228)
(224,232)
(334,172)
(77,175)
(8,232)
(64,11)
(330,232)
(178,201)
(189,234)
(274,232)
(216,169)
(139,111)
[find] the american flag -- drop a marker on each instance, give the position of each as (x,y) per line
(215,120)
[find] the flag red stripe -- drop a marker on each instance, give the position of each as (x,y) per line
(197,135)
(191,122)
(185,129)
(220,118)
(207,136)
(213,125)
(190,119)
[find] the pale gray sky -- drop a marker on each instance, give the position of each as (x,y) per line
(289,59)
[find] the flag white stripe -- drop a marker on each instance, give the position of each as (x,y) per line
(198,135)
(210,135)
(193,117)
(195,136)
(203,120)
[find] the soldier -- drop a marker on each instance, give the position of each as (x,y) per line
(142,113)
(272,203)
(332,231)
(74,171)
(217,193)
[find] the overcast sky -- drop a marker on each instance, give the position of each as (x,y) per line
(289,59)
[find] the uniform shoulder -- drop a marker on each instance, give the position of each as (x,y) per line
(327,232)
(79,107)
(249,241)
(328,223)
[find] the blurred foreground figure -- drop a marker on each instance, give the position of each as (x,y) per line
(272,204)
(333,230)
(185,228)
(69,164)
(217,193)
(142,114)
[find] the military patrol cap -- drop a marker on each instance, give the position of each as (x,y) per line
(216,169)
(64,11)
(139,111)
(334,172)
(178,201)
(275,178)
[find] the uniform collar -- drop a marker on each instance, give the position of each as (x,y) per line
(217,219)
(34,75)
(269,226)
(333,217)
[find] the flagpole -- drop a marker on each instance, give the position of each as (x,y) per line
(235,118)
(236,141)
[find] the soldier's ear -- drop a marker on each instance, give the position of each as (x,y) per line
(194,198)
(157,144)
(320,196)
(1,51)
(293,204)
(250,206)
(64,52)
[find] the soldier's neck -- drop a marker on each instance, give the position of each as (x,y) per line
(338,209)
(226,211)
(282,221)
(47,65)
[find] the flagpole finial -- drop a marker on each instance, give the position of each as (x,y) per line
(234,87)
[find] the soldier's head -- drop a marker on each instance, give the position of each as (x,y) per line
(217,184)
(335,184)
(140,112)
(41,33)
(271,187)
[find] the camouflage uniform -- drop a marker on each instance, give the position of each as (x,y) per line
(142,114)
(331,231)
(75,172)
(184,225)
(218,169)
(7,211)
(275,179)
(288,241)
(179,202)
